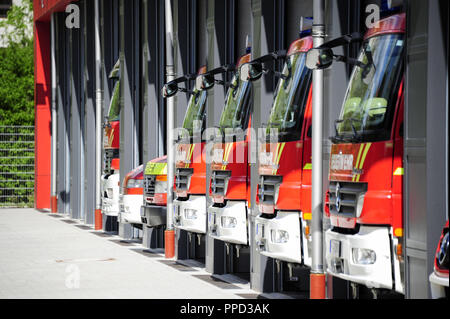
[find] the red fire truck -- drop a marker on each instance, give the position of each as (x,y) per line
(439,277)
(284,189)
(110,178)
(230,180)
(190,175)
(131,197)
(364,201)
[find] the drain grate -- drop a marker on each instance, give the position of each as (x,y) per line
(146,253)
(217,282)
(122,242)
(101,234)
(84,227)
(177,266)
(69,221)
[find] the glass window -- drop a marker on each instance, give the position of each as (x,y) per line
(371,97)
(236,110)
(114,106)
(290,99)
(194,119)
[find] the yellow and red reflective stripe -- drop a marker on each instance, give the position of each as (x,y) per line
(191,150)
(361,164)
(279,152)
(226,154)
(357,160)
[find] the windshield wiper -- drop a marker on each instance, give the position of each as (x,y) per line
(356,136)
(370,63)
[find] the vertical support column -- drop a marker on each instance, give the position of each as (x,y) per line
(169,234)
(42,81)
(263,36)
(98,115)
(317,281)
(54,198)
(215,249)
(129,97)
(90,140)
(425,136)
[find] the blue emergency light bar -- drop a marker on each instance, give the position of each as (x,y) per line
(306,26)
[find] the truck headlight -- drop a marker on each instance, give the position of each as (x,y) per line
(279,236)
(190,213)
(228,222)
(160,187)
(364,256)
(359,205)
(135,183)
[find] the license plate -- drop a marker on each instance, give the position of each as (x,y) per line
(335,248)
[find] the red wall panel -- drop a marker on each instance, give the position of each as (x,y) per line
(42,98)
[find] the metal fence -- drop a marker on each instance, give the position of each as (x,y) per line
(16,166)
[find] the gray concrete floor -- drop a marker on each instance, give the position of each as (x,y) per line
(42,256)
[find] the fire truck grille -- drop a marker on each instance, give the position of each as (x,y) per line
(219,182)
(149,185)
(182,178)
(267,188)
(109,156)
(343,197)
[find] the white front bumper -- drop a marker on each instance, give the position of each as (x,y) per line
(182,221)
(289,251)
(110,205)
(341,264)
(130,209)
(437,285)
(235,235)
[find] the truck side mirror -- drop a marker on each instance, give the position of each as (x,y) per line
(115,72)
(204,82)
(251,71)
(169,89)
(319,58)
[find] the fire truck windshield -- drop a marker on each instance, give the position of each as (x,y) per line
(369,105)
(195,114)
(290,99)
(114,106)
(236,110)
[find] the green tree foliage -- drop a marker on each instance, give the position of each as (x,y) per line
(17,107)
(16,67)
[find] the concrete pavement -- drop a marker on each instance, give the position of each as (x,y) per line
(44,255)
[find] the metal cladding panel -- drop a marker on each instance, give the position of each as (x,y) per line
(63,110)
(426,184)
(76,124)
(294,11)
(42,115)
(153,114)
(183,53)
(266,28)
(243,25)
(129,97)
(220,34)
(89,116)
